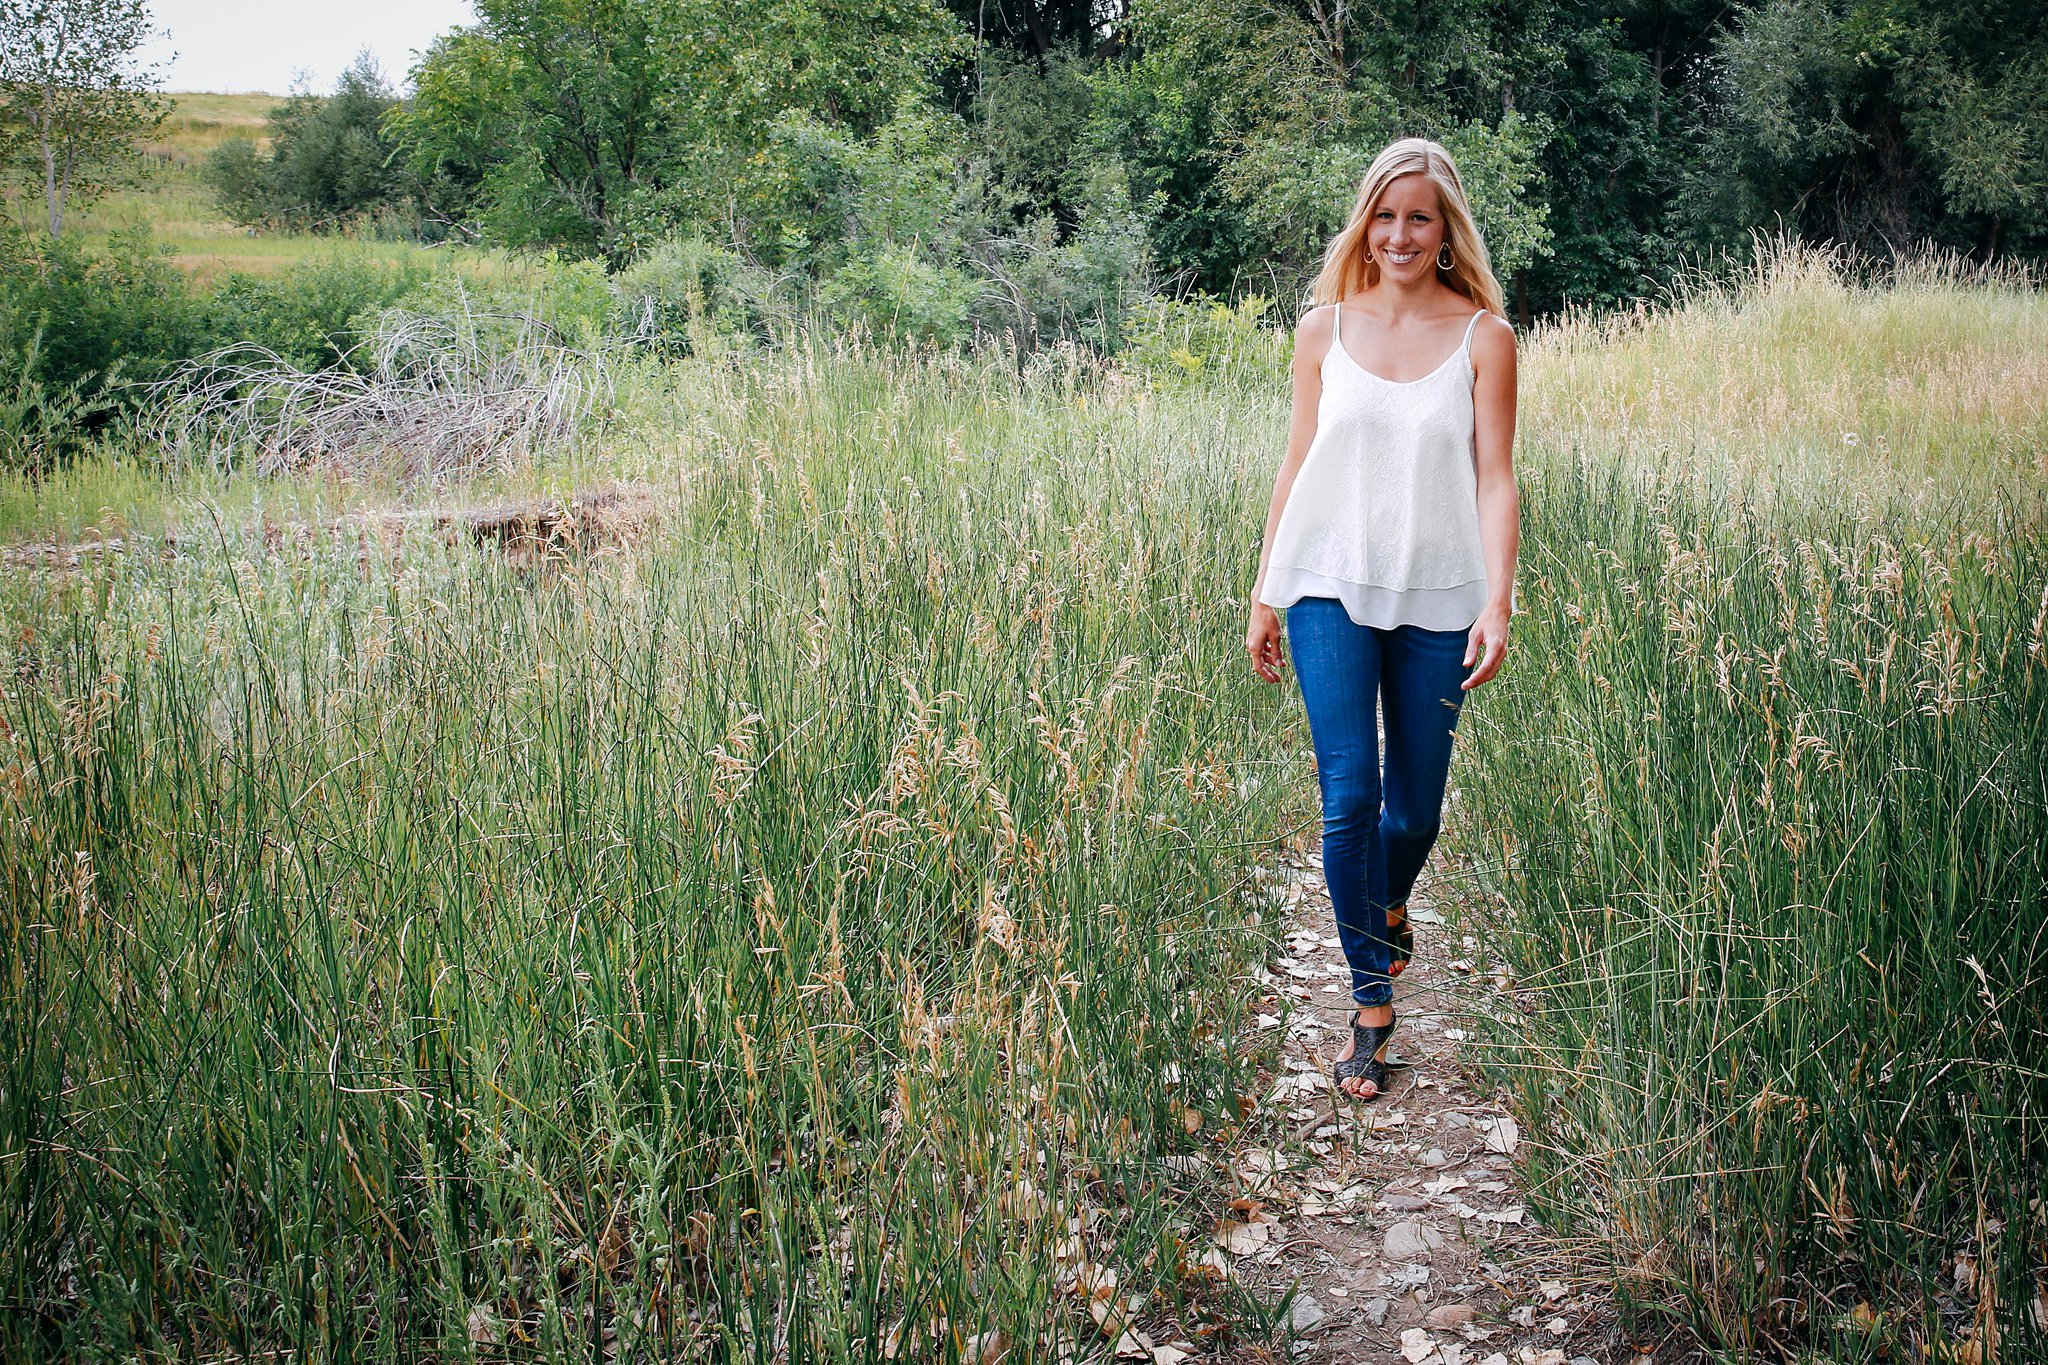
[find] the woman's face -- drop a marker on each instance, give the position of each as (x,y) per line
(1406,229)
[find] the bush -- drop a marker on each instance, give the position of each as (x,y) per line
(312,314)
(76,324)
(330,162)
(677,294)
(1178,340)
(572,298)
(40,421)
(1084,288)
(84,330)
(897,293)
(124,305)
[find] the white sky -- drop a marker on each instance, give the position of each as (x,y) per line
(230,46)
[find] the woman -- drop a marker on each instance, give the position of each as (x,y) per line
(1391,544)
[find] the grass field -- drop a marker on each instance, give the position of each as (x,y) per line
(805,933)
(168,195)
(815,928)
(1759,821)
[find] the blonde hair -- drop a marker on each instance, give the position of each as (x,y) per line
(1346,267)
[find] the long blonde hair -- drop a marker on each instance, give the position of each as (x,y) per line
(1346,267)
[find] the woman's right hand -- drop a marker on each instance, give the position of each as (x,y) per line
(1262,642)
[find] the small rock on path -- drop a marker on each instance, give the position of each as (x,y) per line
(1403,1225)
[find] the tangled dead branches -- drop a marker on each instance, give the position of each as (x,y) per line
(431,396)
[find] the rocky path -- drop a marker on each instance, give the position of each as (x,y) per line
(1402,1221)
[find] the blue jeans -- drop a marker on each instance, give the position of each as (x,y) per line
(1372,854)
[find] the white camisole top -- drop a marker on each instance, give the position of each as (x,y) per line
(1384,511)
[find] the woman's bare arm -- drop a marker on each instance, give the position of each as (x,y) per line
(1311,342)
(1500,502)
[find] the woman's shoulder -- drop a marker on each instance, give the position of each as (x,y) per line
(1313,331)
(1318,320)
(1493,336)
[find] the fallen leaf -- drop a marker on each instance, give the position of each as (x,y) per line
(1191,1119)
(1451,1315)
(1553,1290)
(1240,1239)
(1417,1345)
(990,1348)
(1133,1346)
(484,1327)
(1501,1134)
(1167,1355)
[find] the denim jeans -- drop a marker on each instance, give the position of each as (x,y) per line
(1376,832)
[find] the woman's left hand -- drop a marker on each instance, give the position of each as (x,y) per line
(1488,643)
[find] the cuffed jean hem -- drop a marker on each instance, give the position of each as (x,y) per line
(1373,996)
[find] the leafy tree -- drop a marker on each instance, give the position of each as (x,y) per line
(1886,121)
(1252,123)
(330,161)
(601,125)
(72,100)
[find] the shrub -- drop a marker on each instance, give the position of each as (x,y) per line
(330,161)
(1083,288)
(676,293)
(76,323)
(312,314)
(40,421)
(572,298)
(896,292)
(1199,337)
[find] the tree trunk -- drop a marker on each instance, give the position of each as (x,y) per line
(53,201)
(1991,235)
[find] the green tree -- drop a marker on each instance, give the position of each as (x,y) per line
(601,125)
(1248,125)
(1885,122)
(72,100)
(330,160)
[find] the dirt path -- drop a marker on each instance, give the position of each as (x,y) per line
(1403,1220)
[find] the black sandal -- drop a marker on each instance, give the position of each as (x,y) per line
(1400,938)
(1367,1061)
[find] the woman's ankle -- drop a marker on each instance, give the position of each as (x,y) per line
(1373,1016)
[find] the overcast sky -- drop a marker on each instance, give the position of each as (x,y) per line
(236,45)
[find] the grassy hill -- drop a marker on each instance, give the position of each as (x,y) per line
(168,195)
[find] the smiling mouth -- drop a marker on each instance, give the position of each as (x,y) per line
(1400,258)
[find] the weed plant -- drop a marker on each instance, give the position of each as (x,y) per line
(1760,812)
(799,940)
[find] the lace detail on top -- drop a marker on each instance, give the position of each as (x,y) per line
(1384,511)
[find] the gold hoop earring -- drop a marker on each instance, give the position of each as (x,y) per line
(1444,259)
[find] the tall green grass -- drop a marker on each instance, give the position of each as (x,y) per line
(795,940)
(1761,807)
(799,936)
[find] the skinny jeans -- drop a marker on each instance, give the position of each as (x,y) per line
(1377,828)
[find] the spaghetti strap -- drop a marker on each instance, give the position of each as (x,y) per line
(1467,344)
